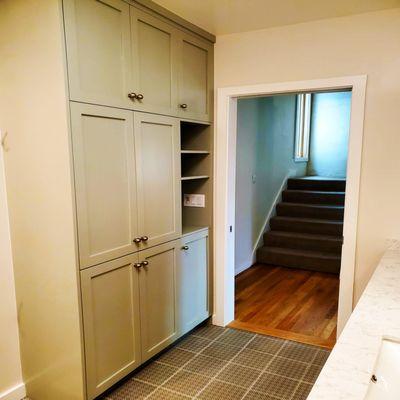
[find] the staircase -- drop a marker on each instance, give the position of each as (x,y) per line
(307,231)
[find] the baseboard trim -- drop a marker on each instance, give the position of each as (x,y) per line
(15,393)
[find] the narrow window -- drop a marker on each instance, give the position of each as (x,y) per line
(303,120)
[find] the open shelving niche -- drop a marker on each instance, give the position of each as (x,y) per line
(196,174)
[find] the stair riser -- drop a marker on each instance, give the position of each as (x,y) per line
(307,227)
(309,184)
(330,246)
(308,263)
(313,198)
(309,212)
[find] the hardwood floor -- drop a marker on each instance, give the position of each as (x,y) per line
(288,303)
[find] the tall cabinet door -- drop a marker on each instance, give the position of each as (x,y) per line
(110,302)
(157,145)
(154,45)
(195,78)
(158,298)
(105,182)
(193,281)
(99,51)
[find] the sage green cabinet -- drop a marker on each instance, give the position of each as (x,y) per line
(154,48)
(157,146)
(110,303)
(99,55)
(195,78)
(193,281)
(105,182)
(158,300)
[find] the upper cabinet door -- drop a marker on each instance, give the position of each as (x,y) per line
(195,78)
(105,182)
(154,50)
(98,51)
(157,146)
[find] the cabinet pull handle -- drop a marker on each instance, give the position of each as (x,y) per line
(137,265)
(137,240)
(132,96)
(183,105)
(185,248)
(140,96)
(144,263)
(144,238)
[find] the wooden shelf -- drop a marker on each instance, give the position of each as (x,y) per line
(195,152)
(191,178)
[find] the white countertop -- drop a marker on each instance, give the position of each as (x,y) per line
(347,372)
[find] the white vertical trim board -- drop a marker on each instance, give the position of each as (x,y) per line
(224,187)
(16,393)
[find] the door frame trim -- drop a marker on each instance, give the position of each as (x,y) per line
(224,187)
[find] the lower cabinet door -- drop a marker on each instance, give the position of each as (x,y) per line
(158,303)
(193,281)
(110,301)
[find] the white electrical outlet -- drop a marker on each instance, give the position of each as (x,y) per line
(194,200)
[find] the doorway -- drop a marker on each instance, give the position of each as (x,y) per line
(225,171)
(290,189)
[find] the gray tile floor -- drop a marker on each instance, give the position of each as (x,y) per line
(215,363)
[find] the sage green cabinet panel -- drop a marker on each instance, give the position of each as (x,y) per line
(154,46)
(193,281)
(110,301)
(105,182)
(158,298)
(157,144)
(98,51)
(195,78)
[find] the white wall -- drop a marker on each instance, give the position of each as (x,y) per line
(265,148)
(34,111)
(362,44)
(10,364)
(330,127)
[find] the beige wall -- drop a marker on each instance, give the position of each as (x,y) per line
(33,110)
(10,363)
(362,44)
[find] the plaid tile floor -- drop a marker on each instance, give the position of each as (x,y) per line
(216,363)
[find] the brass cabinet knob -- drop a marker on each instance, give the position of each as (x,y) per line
(139,96)
(183,105)
(185,248)
(144,238)
(132,96)
(137,240)
(137,265)
(144,263)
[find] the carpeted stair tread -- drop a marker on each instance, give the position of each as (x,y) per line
(307,225)
(305,210)
(313,197)
(308,183)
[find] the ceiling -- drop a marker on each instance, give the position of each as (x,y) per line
(222,17)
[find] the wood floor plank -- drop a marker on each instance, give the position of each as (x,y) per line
(292,304)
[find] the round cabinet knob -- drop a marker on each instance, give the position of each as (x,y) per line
(137,265)
(184,106)
(140,96)
(185,248)
(144,238)
(137,240)
(144,263)
(132,96)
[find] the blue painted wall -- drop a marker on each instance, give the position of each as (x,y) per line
(330,126)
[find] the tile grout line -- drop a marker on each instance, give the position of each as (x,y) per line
(183,365)
(214,378)
(262,372)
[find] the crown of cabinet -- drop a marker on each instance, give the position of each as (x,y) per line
(121,56)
